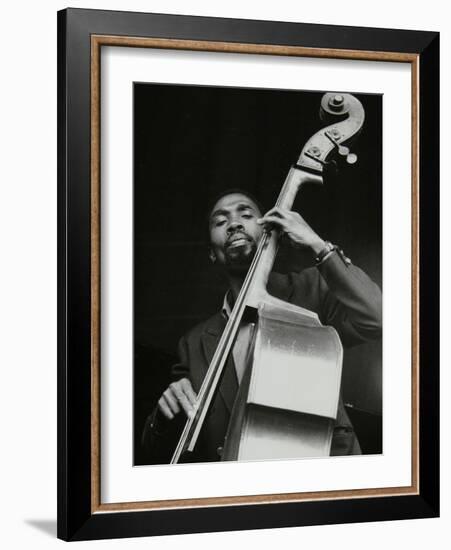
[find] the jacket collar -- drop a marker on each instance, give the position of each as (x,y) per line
(216,324)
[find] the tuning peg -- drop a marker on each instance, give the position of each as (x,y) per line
(334,136)
(314,153)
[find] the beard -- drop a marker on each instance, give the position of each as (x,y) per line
(239,252)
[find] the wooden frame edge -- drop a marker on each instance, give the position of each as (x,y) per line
(98,40)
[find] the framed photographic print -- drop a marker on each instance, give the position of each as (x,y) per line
(248,265)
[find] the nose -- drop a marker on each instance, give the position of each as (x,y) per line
(234,225)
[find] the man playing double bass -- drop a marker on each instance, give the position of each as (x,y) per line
(342,295)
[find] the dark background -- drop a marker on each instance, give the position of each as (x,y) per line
(190,143)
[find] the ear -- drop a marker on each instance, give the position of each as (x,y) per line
(212,256)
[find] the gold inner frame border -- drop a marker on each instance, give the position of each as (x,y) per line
(97,41)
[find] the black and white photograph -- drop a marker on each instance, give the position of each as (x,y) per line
(257,273)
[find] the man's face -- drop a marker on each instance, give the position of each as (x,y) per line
(234,231)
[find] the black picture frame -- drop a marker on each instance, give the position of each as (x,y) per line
(78,518)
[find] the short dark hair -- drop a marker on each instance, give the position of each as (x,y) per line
(232,191)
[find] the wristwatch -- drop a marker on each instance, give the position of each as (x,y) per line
(328,250)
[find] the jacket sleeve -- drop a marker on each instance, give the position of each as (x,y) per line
(349,301)
(160,435)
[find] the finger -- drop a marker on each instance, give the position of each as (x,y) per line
(272,220)
(284,213)
(186,405)
(164,408)
(277,211)
(188,391)
(297,216)
(182,399)
(171,400)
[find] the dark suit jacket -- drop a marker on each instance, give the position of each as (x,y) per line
(342,296)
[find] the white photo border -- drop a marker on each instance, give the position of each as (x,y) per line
(120,481)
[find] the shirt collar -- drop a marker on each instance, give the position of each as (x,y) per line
(226,309)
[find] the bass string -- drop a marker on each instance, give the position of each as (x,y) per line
(238,308)
(208,387)
(205,395)
(235,317)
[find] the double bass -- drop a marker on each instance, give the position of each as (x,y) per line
(287,401)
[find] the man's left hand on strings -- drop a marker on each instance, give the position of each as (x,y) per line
(294,227)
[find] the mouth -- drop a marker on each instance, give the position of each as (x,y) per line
(237,241)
